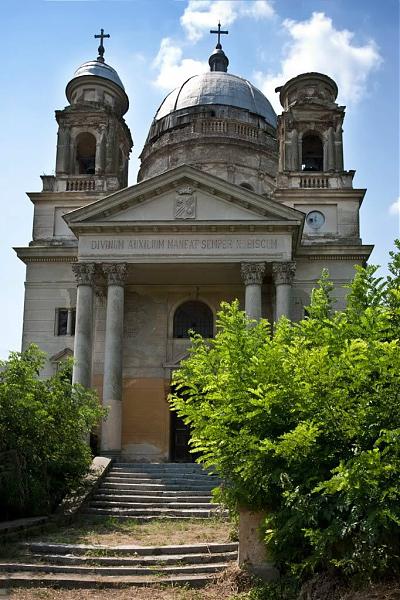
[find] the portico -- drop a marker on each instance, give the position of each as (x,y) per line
(212,259)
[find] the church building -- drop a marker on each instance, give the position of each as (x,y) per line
(232,201)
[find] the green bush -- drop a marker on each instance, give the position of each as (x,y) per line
(44,425)
(305,424)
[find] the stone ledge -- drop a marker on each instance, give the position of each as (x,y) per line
(17,526)
(74,503)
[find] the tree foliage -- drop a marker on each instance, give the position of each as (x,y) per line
(44,426)
(304,422)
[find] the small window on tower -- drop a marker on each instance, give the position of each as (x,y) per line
(62,321)
(312,153)
(86,153)
(65,321)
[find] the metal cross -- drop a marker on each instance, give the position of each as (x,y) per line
(219,33)
(101,49)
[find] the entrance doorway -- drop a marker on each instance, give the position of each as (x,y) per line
(180,436)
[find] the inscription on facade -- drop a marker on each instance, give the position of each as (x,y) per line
(185,246)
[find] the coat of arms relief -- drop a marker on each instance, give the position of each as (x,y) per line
(185,203)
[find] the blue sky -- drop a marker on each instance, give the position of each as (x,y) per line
(157,43)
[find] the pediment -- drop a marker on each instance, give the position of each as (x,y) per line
(62,355)
(181,196)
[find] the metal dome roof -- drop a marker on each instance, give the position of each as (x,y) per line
(99,69)
(218,87)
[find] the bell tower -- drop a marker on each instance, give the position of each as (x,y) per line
(94,142)
(311,175)
(310,127)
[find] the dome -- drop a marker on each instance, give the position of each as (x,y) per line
(99,69)
(218,87)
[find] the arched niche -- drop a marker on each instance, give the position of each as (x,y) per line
(246,186)
(86,153)
(312,153)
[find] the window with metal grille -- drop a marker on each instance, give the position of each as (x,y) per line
(193,316)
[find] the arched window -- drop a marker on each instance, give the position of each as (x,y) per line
(193,315)
(247,186)
(312,153)
(86,153)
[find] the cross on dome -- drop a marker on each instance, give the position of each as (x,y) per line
(219,32)
(101,48)
(218,61)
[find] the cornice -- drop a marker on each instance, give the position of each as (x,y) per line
(310,194)
(30,254)
(75,197)
(334,252)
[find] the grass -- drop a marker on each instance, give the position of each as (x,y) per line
(160,532)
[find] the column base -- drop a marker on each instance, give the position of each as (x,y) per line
(252,550)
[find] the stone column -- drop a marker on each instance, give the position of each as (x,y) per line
(112,382)
(283,273)
(82,372)
(252,276)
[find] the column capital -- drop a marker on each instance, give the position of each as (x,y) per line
(84,273)
(252,272)
(284,272)
(116,273)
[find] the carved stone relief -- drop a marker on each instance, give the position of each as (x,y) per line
(185,203)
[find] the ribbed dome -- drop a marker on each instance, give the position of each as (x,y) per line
(99,69)
(217,87)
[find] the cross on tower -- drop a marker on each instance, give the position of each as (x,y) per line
(219,33)
(101,49)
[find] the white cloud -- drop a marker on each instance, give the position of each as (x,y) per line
(394,208)
(173,69)
(201,15)
(316,45)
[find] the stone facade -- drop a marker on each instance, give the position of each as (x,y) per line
(227,206)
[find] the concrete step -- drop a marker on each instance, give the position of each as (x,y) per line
(114,497)
(159,478)
(194,569)
(158,512)
(152,505)
(123,561)
(155,487)
(74,581)
(169,466)
(123,550)
(97,513)
(115,489)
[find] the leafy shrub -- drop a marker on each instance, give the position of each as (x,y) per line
(305,424)
(44,425)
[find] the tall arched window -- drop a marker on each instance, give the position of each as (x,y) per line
(86,153)
(193,315)
(312,153)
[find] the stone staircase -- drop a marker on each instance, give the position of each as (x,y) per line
(84,566)
(145,491)
(131,491)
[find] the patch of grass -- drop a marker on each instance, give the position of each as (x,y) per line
(160,532)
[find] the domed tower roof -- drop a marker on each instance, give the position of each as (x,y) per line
(97,68)
(98,72)
(218,87)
